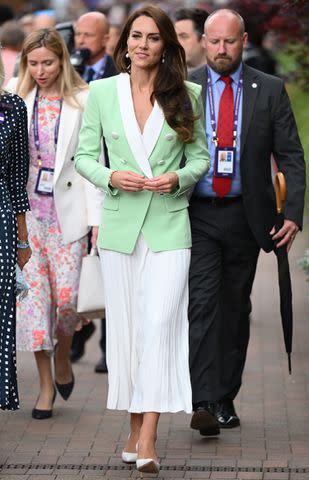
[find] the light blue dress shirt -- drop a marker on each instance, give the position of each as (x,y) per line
(204,186)
(96,67)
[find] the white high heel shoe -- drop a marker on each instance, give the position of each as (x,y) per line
(147,465)
(129,457)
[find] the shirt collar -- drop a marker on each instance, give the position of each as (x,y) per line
(96,66)
(235,75)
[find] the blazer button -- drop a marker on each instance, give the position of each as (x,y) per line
(115,135)
(123,161)
(169,137)
(69,184)
(72,159)
(161,162)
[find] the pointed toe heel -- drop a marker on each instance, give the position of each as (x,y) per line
(129,457)
(65,389)
(147,465)
(39,414)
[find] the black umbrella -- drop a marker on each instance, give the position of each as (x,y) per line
(285,286)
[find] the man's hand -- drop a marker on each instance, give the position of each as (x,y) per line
(164,183)
(286,234)
(127,180)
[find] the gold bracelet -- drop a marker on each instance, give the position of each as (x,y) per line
(110,179)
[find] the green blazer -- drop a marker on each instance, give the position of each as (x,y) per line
(162,219)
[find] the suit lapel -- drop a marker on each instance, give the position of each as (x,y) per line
(68,118)
(110,69)
(251,89)
(200,76)
(29,101)
(130,124)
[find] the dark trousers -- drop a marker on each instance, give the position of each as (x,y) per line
(223,264)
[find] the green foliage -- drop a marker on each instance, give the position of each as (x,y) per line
(300,104)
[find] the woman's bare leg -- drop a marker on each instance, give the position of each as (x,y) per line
(136,420)
(148,436)
(63,373)
(45,399)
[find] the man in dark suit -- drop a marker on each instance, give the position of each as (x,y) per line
(91,32)
(232,211)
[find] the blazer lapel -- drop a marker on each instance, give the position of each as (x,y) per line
(29,101)
(130,124)
(251,89)
(68,118)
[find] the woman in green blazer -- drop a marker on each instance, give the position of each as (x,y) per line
(150,119)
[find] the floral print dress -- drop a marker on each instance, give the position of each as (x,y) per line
(54,269)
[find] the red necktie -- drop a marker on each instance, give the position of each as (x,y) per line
(222,185)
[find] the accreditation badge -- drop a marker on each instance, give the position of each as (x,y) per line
(44,183)
(225,160)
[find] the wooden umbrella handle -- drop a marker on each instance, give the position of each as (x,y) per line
(280,189)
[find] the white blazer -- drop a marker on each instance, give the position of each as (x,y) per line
(78,203)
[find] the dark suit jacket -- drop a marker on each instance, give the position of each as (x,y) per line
(110,68)
(268,127)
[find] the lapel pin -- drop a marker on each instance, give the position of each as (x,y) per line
(254,85)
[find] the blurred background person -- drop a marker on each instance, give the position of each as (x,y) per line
(44,19)
(11,39)
(189,26)
(14,245)
(113,37)
(27,23)
(6,14)
(63,207)
(91,32)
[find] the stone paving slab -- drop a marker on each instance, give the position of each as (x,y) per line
(271,444)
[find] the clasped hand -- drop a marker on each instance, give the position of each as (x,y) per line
(129,181)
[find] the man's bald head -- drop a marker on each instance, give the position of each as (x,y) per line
(91,31)
(226,13)
(224,39)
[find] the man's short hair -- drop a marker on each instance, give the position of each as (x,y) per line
(197,15)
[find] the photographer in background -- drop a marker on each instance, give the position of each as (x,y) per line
(91,33)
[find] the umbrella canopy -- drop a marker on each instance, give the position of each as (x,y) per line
(285,286)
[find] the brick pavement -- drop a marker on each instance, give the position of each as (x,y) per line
(84,441)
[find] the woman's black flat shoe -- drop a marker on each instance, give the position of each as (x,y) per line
(38,414)
(65,389)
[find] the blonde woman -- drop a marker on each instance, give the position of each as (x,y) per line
(63,208)
(14,245)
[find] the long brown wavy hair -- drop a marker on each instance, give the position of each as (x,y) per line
(169,88)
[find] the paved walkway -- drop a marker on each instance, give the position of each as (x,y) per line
(84,441)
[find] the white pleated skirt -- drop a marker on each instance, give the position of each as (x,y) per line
(146,297)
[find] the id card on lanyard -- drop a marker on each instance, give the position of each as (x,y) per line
(225,156)
(44,183)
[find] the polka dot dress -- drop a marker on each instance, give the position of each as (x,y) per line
(14,165)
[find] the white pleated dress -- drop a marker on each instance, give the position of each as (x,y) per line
(146,297)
